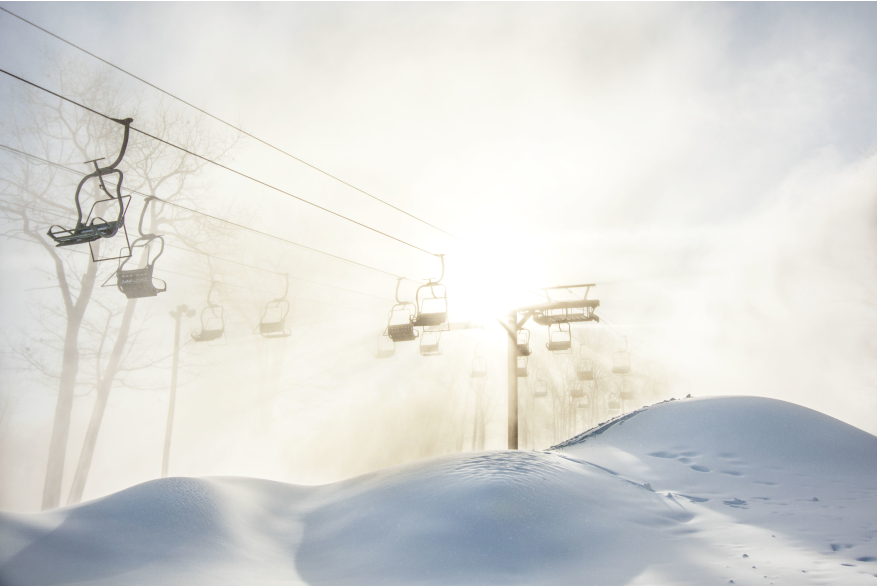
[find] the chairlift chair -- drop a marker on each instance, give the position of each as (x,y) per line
(559,338)
(429,343)
(540,388)
(212,321)
(614,403)
(431,301)
(522,366)
(399,327)
(386,347)
(585,370)
(584,402)
(92,229)
(621,363)
(138,282)
(577,389)
(272,323)
(626,391)
(524,349)
(479,368)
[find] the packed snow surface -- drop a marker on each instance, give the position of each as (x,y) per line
(725,490)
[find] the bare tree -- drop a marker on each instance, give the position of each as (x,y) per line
(36,195)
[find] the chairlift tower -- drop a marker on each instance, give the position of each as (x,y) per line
(546,314)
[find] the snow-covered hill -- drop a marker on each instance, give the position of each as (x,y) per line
(707,491)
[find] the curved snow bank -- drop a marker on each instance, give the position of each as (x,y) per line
(677,493)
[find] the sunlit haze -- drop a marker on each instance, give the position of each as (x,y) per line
(711,168)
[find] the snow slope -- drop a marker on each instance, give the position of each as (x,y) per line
(704,491)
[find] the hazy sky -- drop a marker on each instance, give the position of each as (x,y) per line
(712,167)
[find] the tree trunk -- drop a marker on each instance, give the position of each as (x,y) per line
(66,388)
(100,404)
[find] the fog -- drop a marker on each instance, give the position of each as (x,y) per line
(711,168)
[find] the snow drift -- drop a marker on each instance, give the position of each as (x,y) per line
(706,491)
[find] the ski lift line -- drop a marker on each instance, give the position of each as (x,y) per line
(237,172)
(242,131)
(276,273)
(271,293)
(253,230)
(241,226)
(625,336)
(609,323)
(241,174)
(227,168)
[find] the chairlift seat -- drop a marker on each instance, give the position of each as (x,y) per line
(273,329)
(208,335)
(586,375)
(540,389)
(614,404)
(386,348)
(558,346)
(85,233)
(401,332)
(626,395)
(430,349)
(429,319)
(577,391)
(137,283)
(524,350)
(522,366)
(621,369)
(584,402)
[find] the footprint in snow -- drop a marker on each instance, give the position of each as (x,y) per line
(735,503)
(700,468)
(663,455)
(764,482)
(867,559)
(733,473)
(692,498)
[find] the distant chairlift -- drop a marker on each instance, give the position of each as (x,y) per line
(479,366)
(577,389)
(386,347)
(429,343)
(621,361)
(614,403)
(559,338)
(432,301)
(540,388)
(584,402)
(584,366)
(522,366)
(524,349)
(399,325)
(138,282)
(212,320)
(626,391)
(92,229)
(272,323)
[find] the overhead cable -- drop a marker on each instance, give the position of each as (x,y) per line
(227,168)
(229,222)
(240,130)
